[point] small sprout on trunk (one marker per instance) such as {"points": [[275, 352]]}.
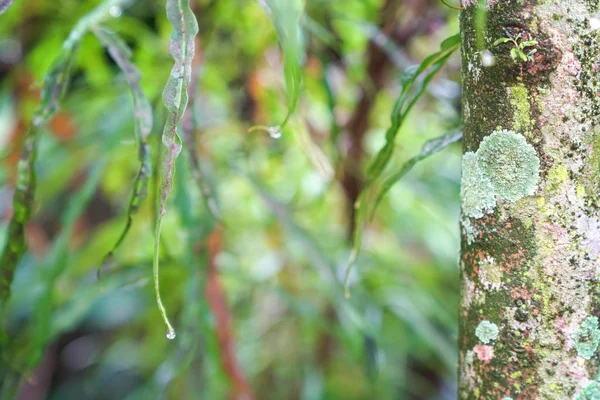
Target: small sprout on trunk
{"points": [[519, 52]]}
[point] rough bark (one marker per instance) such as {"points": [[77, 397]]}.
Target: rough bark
{"points": [[530, 258]]}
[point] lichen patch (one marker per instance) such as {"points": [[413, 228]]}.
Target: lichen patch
{"points": [[487, 331], [587, 338], [477, 193], [510, 163]]}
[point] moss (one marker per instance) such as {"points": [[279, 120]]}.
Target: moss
{"points": [[510, 163], [486, 331], [522, 116], [587, 338], [477, 194]]}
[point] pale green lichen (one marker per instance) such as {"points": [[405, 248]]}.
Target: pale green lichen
{"points": [[505, 165], [487, 331], [476, 191], [590, 392], [587, 338], [510, 163]]}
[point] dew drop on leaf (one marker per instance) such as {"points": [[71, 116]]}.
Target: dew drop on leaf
{"points": [[171, 334], [274, 132]]}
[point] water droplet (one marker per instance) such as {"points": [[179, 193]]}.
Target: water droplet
{"points": [[115, 11], [171, 334], [274, 132], [487, 58]]}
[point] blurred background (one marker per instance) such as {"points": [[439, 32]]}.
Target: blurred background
{"points": [[256, 299]]}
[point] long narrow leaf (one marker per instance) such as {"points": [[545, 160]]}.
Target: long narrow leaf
{"points": [[422, 75], [285, 16], [142, 115], [181, 47], [55, 85], [30, 348], [429, 148]]}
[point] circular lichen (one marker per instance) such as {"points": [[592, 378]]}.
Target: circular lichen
{"points": [[476, 191], [487, 331], [587, 338], [510, 163]]}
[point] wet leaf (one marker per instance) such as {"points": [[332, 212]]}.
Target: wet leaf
{"points": [[175, 97], [142, 115], [55, 86], [285, 16]]}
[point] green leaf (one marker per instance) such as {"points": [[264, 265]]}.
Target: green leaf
{"points": [[429, 148], [142, 115], [55, 86], [522, 56], [181, 47], [502, 40], [408, 97], [53, 266], [285, 16], [528, 43]]}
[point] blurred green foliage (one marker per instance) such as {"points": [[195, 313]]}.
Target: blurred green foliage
{"points": [[279, 251]]}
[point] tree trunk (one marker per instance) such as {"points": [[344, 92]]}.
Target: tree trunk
{"points": [[530, 224]]}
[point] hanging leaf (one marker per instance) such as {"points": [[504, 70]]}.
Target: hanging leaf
{"points": [[414, 82], [285, 16], [429, 148], [55, 86], [181, 47], [142, 116]]}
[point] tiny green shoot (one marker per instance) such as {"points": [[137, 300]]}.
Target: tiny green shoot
{"points": [[519, 51]]}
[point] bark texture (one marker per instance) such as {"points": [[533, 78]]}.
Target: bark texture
{"points": [[530, 257]]}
